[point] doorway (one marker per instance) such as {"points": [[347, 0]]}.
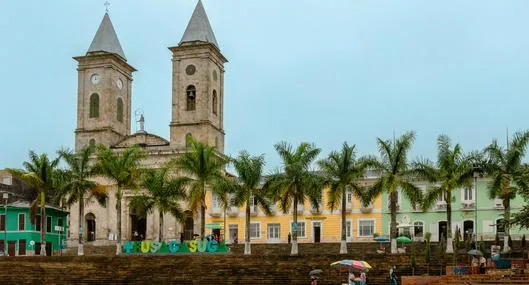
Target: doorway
{"points": [[11, 248], [138, 227], [48, 248], [234, 234], [468, 229], [316, 229], [90, 227], [443, 230], [189, 226]]}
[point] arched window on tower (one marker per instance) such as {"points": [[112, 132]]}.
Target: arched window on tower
{"points": [[191, 93], [94, 106], [92, 143], [119, 110], [189, 137], [215, 102]]}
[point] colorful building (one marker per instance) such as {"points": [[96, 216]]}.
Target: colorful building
{"points": [[470, 206], [315, 225], [23, 237]]}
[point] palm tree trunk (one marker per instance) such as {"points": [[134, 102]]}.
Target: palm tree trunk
{"points": [[118, 210], [393, 209], [294, 250], [343, 244], [80, 246], [203, 213], [43, 223], [507, 218], [160, 234], [247, 245], [449, 240]]}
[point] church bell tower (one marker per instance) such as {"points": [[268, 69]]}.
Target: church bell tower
{"points": [[104, 91], [198, 85]]}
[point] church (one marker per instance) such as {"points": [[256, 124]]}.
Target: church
{"points": [[104, 100]]}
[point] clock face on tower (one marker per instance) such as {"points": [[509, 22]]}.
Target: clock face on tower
{"points": [[95, 78], [119, 83]]}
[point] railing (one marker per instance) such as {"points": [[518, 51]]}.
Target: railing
{"points": [[301, 208], [315, 210], [348, 207], [468, 205], [441, 206], [233, 211], [215, 212], [498, 204], [367, 209], [254, 210]]}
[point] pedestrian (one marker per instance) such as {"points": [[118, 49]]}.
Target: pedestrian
{"points": [[363, 278], [351, 278], [235, 240], [289, 237], [393, 274], [314, 280], [482, 264]]}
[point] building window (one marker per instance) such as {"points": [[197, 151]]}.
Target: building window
{"points": [[38, 222], [214, 102], [500, 227], [22, 222], [189, 137], [468, 194], [255, 230], [301, 229], [274, 231], [366, 228], [418, 229], [217, 201], [7, 181], [348, 228], [59, 222], [48, 224], [191, 97], [2, 222], [94, 106], [119, 110], [92, 143], [349, 197]]}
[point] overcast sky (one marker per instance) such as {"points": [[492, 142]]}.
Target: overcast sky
{"points": [[300, 70]]}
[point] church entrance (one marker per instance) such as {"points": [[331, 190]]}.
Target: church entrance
{"points": [[90, 227], [138, 227], [189, 226]]}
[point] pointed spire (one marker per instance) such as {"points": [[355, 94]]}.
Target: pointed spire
{"points": [[199, 28], [106, 39]]}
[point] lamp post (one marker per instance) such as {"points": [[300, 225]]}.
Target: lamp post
{"points": [[5, 195], [476, 174]]}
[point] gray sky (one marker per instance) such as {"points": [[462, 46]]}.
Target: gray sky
{"points": [[317, 71]]}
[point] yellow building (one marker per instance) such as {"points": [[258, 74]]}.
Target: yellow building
{"points": [[314, 225]]}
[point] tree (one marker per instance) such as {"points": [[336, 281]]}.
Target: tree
{"points": [[427, 250], [202, 167], [508, 174], [341, 170], [453, 170], [296, 183], [246, 188], [40, 174], [395, 174], [162, 193], [78, 184], [123, 169]]}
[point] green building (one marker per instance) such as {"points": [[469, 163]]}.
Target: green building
{"points": [[471, 207], [24, 237]]}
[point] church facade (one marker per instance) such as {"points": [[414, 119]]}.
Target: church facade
{"points": [[105, 82]]}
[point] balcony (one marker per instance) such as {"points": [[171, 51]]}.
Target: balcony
{"points": [[301, 208], [348, 207], [367, 209], [254, 210], [315, 211], [273, 209], [417, 208], [215, 212], [468, 205], [440, 206], [233, 211]]}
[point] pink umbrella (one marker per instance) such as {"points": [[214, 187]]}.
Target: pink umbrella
{"points": [[358, 265]]}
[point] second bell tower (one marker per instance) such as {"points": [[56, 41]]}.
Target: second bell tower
{"points": [[198, 86]]}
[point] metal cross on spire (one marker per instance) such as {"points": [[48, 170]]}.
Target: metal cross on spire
{"points": [[106, 5]]}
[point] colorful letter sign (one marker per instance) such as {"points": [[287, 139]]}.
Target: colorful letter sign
{"points": [[174, 247]]}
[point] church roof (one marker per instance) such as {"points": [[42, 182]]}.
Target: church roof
{"points": [[199, 28], [106, 39]]}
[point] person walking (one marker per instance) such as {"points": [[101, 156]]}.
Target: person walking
{"points": [[363, 278], [393, 275]]}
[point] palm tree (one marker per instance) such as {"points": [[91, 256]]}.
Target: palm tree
{"points": [[296, 183], [40, 174], [163, 193], [246, 188], [342, 171], [507, 172], [394, 174], [123, 170], [78, 184], [202, 166], [453, 170]]}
